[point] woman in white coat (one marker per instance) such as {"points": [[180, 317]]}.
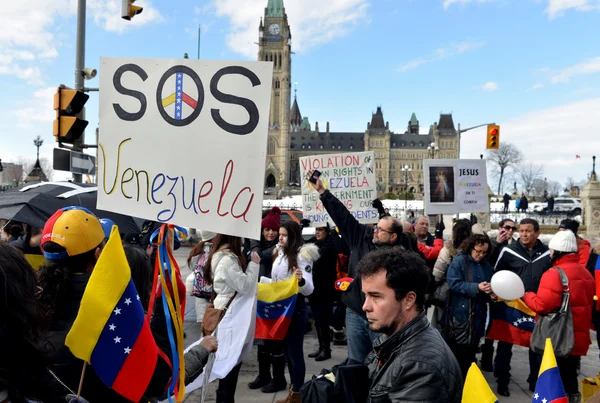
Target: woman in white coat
{"points": [[227, 272], [292, 258]]}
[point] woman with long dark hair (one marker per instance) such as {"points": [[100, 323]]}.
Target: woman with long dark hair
{"points": [[228, 272], [293, 258], [22, 364], [468, 276], [196, 261]]}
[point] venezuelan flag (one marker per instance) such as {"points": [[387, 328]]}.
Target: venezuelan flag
{"points": [[110, 331], [512, 322], [476, 389], [597, 277], [549, 387], [275, 307]]}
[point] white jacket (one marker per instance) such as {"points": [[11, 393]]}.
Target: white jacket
{"points": [[308, 255], [228, 277]]}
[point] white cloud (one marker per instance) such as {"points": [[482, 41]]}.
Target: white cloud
{"points": [[588, 67], [37, 109], [441, 54], [313, 22], [448, 3], [536, 86], [490, 86], [558, 7], [553, 135]]}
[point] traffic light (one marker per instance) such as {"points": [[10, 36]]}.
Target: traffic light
{"points": [[493, 137], [128, 10], [68, 128]]}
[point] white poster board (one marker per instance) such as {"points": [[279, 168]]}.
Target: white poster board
{"points": [[349, 177], [184, 141], [455, 186]]}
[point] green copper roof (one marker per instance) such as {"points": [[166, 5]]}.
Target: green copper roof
{"points": [[413, 120], [274, 8], [305, 125]]}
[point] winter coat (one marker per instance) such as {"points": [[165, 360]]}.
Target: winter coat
{"points": [[524, 203], [324, 271], [447, 254], [462, 291], [517, 203], [229, 277], [68, 368], [307, 256], [414, 364], [431, 253], [529, 265], [506, 199], [591, 267], [265, 251], [359, 238], [582, 289], [584, 249]]}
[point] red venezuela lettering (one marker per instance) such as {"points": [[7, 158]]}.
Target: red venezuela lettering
{"points": [[160, 179], [330, 162], [348, 183]]}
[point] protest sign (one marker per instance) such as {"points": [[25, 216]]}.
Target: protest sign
{"points": [[184, 141], [455, 186], [349, 177]]}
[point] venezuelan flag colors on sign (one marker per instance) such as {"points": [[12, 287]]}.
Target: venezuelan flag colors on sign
{"points": [[513, 322], [549, 387], [110, 331], [476, 389], [275, 307]]}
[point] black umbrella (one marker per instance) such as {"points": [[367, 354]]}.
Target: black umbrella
{"points": [[34, 204]]}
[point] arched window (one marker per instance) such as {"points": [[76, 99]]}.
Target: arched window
{"points": [[280, 60], [271, 147]]}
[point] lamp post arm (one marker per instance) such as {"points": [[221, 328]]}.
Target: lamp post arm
{"points": [[460, 131]]}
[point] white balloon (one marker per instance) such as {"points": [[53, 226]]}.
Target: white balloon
{"points": [[507, 285]]}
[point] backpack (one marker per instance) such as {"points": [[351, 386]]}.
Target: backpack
{"points": [[200, 288]]}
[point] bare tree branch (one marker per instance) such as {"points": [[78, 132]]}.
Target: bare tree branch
{"points": [[47, 168], [554, 188], [530, 173], [504, 158]]}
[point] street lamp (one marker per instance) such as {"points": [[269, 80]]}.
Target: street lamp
{"points": [[405, 170], [432, 149], [38, 143]]}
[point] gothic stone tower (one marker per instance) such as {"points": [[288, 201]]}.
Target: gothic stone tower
{"points": [[274, 45]]}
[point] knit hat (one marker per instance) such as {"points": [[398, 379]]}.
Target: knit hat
{"points": [[570, 225], [74, 228], [107, 225], [477, 229], [563, 241], [207, 235], [272, 220]]}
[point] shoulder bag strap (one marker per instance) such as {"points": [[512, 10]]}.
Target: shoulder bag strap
{"points": [[566, 292], [214, 294]]}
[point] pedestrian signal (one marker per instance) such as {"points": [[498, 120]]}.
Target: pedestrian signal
{"points": [[493, 137], [128, 10], [68, 128]]}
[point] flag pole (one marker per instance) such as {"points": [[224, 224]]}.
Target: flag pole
{"points": [[81, 380]]}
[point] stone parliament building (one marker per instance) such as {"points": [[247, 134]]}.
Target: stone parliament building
{"points": [[292, 136]]}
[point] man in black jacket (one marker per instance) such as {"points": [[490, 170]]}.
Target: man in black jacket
{"points": [[361, 239], [529, 258], [410, 360]]}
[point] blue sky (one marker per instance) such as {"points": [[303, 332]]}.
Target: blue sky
{"points": [[532, 66]]}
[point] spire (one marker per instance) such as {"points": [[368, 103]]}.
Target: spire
{"points": [[274, 8], [377, 121], [413, 120], [295, 115]]}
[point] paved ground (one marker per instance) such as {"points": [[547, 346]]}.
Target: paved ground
{"points": [[519, 388]]}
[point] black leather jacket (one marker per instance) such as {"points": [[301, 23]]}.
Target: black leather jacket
{"points": [[414, 364]]}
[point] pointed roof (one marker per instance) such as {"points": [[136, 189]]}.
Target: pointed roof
{"points": [[36, 174], [446, 122], [274, 8], [305, 124], [413, 120], [377, 121], [295, 115]]}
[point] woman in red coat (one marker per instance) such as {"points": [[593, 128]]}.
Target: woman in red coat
{"points": [[563, 249]]}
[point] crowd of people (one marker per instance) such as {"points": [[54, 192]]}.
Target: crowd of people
{"points": [[397, 270]]}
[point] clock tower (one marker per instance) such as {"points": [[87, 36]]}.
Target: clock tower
{"points": [[274, 45]]}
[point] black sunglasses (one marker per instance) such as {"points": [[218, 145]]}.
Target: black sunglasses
{"points": [[508, 228]]}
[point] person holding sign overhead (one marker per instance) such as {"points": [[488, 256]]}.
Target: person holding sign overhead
{"points": [[361, 240]]}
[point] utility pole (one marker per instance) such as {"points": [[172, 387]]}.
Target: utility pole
{"points": [[459, 132], [79, 66]]}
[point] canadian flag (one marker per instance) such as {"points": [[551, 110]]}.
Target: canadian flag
{"points": [[578, 156]]}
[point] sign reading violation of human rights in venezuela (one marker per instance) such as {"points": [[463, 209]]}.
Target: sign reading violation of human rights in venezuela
{"points": [[455, 186], [184, 141], [350, 177]]}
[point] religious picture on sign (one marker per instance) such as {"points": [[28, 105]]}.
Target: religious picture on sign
{"points": [[441, 181]]}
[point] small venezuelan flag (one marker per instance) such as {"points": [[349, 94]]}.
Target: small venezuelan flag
{"points": [[110, 331], [476, 389], [597, 277], [549, 387], [512, 322], [275, 307]]}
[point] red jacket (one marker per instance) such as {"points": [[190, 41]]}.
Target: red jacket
{"points": [[431, 252], [582, 289], [583, 250]]}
